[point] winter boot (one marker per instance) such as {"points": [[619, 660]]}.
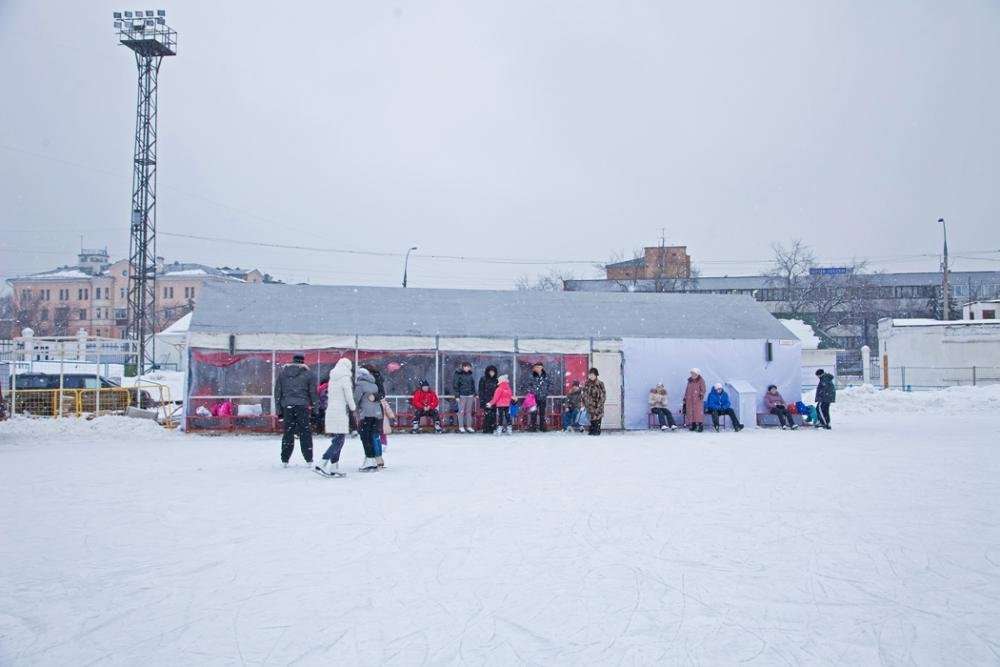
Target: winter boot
{"points": [[663, 428], [499, 431], [714, 428], [461, 429], [415, 428], [738, 427], [370, 465], [510, 430], [793, 426], [379, 462], [284, 464], [693, 427], [674, 427], [437, 427], [701, 428]]}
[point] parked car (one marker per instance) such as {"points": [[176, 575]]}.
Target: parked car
{"points": [[38, 396]]}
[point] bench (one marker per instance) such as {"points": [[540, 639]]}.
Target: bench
{"points": [[767, 420]]}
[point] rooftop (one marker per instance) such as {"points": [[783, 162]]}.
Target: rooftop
{"points": [[241, 308]]}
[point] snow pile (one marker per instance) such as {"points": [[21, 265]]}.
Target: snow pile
{"points": [[26, 430], [867, 399], [804, 332]]}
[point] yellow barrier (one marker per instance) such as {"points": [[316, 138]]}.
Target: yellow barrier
{"points": [[92, 402]]}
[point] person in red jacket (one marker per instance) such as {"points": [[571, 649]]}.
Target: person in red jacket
{"points": [[425, 404]]}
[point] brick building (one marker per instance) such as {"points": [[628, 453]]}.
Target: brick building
{"points": [[655, 262], [93, 295]]}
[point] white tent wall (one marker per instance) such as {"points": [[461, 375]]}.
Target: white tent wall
{"points": [[649, 361]]}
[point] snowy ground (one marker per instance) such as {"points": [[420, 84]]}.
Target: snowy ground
{"points": [[878, 542]]}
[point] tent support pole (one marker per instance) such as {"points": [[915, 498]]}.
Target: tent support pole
{"points": [[437, 364], [274, 377]]}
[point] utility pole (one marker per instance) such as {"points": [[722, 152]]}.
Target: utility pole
{"points": [[148, 36], [945, 288]]}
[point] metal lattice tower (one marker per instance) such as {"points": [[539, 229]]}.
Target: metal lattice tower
{"points": [[149, 37]]}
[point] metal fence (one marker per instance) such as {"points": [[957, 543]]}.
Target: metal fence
{"points": [[913, 378]]}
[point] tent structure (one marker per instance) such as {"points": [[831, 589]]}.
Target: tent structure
{"points": [[241, 334], [171, 344]]}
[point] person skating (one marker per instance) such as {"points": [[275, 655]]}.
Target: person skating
{"points": [[694, 401], [425, 403], [463, 385], [370, 417], [574, 401], [775, 404], [826, 393], [658, 407], [594, 396], [500, 402], [295, 396], [541, 387], [382, 440], [487, 386], [717, 404], [340, 399]]}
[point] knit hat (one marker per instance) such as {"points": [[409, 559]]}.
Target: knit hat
{"points": [[502, 378], [696, 371], [820, 372], [424, 383], [718, 385]]}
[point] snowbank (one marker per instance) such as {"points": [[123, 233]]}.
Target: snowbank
{"points": [[25, 430], [172, 380], [804, 332], [953, 400]]}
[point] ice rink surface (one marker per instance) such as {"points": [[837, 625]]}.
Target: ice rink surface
{"points": [[875, 543]]}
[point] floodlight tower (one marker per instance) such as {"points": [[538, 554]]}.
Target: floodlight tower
{"points": [[149, 37]]}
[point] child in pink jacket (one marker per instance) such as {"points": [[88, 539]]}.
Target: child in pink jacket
{"points": [[501, 401]]}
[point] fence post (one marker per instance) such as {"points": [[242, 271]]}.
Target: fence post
{"points": [[866, 364], [62, 361], [885, 371], [902, 377], [973, 376]]}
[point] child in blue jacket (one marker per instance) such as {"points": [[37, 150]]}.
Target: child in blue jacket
{"points": [[718, 404]]}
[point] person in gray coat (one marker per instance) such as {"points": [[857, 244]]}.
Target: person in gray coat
{"points": [[294, 397], [366, 396], [826, 393]]}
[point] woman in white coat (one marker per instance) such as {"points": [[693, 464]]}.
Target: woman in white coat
{"points": [[340, 399]]}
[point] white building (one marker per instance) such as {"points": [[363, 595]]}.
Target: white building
{"points": [[981, 310], [935, 353]]}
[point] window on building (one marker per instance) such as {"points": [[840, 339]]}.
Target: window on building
{"points": [[188, 292], [989, 314], [123, 292], [83, 314], [64, 295], [25, 294], [43, 314], [168, 292], [48, 295]]}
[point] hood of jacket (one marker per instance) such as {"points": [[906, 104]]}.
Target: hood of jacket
{"points": [[341, 369], [294, 370], [364, 375]]}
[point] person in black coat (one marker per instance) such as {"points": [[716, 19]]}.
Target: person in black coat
{"points": [[826, 393], [541, 387], [488, 385], [295, 398]]}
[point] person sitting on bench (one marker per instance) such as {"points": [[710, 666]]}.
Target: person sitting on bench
{"points": [[658, 407], [425, 404], [775, 404], [717, 404]]}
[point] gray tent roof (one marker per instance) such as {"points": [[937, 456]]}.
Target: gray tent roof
{"points": [[240, 308]]}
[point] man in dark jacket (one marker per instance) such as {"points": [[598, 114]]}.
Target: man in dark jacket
{"points": [[294, 397], [463, 387], [826, 393], [487, 386], [541, 387]]}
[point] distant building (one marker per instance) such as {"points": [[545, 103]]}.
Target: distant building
{"points": [[93, 294], [853, 303], [981, 310], [655, 262]]}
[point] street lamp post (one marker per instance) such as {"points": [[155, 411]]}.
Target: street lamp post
{"points": [[945, 289], [406, 263]]}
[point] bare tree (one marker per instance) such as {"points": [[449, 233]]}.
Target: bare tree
{"points": [[632, 272], [791, 266], [27, 311], [547, 282]]}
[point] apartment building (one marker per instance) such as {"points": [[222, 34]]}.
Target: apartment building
{"points": [[93, 294]]}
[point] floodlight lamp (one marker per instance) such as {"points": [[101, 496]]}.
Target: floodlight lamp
{"points": [[118, 15], [161, 12]]}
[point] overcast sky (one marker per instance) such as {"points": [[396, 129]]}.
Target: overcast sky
{"points": [[520, 130]]}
